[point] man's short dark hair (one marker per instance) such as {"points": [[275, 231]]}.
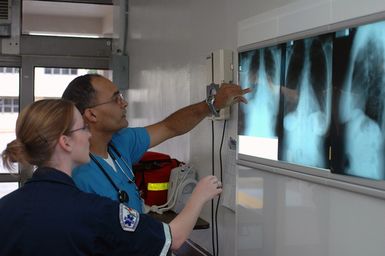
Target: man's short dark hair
{"points": [[81, 92]]}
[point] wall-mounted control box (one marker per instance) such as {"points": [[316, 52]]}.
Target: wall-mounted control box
{"points": [[220, 69]]}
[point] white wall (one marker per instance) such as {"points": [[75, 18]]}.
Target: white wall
{"points": [[168, 43]]}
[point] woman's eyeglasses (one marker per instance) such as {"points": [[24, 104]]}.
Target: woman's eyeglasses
{"points": [[84, 128]]}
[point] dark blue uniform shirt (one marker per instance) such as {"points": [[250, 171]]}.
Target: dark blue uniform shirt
{"points": [[49, 215]]}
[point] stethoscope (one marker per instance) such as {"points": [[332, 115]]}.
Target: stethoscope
{"points": [[122, 194]]}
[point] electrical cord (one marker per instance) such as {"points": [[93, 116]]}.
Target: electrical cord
{"points": [[221, 179], [212, 201], [214, 216]]}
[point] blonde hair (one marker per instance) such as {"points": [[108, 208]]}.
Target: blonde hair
{"points": [[38, 128]]}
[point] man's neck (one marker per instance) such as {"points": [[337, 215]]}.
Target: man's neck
{"points": [[99, 144]]}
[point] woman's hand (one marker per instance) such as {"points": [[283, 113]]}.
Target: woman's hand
{"points": [[207, 188]]}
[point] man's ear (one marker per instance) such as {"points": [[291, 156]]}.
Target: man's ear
{"points": [[64, 142], [89, 115]]}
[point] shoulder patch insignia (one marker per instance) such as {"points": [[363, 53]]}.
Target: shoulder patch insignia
{"points": [[129, 218]]}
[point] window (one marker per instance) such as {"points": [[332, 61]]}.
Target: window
{"points": [[9, 110], [60, 71], [44, 88], [9, 104], [7, 187], [9, 70]]}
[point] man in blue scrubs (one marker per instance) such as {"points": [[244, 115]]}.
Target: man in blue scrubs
{"points": [[114, 147]]}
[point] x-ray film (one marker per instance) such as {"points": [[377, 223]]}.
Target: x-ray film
{"points": [[307, 95], [359, 78], [260, 70]]}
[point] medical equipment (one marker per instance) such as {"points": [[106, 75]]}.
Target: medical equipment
{"points": [[121, 194], [182, 183]]}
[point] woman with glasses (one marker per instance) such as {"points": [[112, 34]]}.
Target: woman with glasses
{"points": [[49, 215]]}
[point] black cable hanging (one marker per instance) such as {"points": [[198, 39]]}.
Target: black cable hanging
{"points": [[221, 179], [212, 201]]}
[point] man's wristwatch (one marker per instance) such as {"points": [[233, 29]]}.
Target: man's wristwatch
{"points": [[210, 102]]}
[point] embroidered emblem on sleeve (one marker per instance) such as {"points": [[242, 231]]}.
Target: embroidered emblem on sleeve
{"points": [[129, 218]]}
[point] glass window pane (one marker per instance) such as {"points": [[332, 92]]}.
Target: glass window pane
{"points": [[9, 96], [53, 85], [65, 71], [7, 187]]}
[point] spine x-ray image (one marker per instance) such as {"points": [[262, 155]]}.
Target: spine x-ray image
{"points": [[361, 87], [260, 70], [307, 102]]}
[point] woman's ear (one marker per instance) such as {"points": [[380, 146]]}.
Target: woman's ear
{"points": [[65, 143]]}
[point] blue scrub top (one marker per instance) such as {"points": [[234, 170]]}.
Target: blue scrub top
{"points": [[49, 215], [131, 143]]}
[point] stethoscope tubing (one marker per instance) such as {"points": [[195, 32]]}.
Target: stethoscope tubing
{"points": [[122, 194]]}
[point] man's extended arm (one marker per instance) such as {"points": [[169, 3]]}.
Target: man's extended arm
{"points": [[185, 119]]}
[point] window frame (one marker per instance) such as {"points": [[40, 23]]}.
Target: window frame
{"points": [[37, 51]]}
